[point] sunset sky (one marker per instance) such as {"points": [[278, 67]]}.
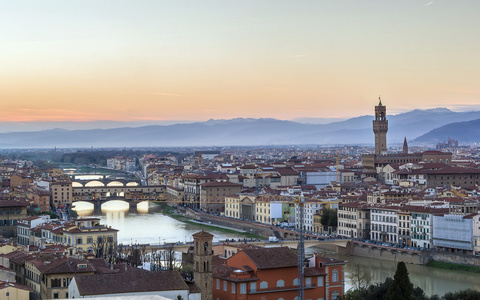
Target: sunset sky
{"points": [[195, 60]]}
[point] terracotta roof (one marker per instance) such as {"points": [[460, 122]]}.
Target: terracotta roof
{"points": [[286, 171], [62, 265], [12, 203], [219, 184], [5, 285], [104, 284], [203, 234], [272, 258]]}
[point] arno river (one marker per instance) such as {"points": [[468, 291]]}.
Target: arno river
{"points": [[149, 226]]}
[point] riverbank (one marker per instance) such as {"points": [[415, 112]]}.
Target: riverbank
{"points": [[170, 211], [451, 266]]}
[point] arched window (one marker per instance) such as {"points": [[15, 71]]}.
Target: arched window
{"points": [[263, 285], [335, 295], [296, 282], [280, 283], [205, 247]]}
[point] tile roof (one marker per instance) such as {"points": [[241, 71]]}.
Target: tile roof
{"points": [[103, 284], [272, 258]]}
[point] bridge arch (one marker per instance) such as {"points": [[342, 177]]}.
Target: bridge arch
{"points": [[115, 183], [76, 184], [132, 183], [94, 183]]}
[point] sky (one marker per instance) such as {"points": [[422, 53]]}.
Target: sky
{"points": [[155, 60]]}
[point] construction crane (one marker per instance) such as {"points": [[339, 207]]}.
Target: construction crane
{"points": [[301, 247]]}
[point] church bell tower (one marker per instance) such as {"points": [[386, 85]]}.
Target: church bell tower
{"points": [[380, 128], [202, 260]]}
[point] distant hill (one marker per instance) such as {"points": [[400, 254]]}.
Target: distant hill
{"points": [[242, 131], [465, 132]]}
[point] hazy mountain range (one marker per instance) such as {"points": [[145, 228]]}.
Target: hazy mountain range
{"points": [[419, 126]]}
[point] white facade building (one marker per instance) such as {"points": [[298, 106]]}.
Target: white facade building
{"points": [[384, 225]]}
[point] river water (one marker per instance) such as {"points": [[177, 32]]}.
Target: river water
{"points": [[430, 280], [147, 225]]}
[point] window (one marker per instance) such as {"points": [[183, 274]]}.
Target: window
{"points": [[55, 296], [335, 295], [218, 284], [335, 275], [280, 283], [233, 288], [263, 285], [243, 288], [253, 287], [225, 288], [308, 281], [296, 282]]}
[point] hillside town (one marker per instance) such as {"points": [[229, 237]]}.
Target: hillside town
{"points": [[413, 200]]}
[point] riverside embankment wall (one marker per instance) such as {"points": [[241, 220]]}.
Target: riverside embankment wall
{"points": [[413, 257], [253, 228]]}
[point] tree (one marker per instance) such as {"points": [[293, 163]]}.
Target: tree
{"points": [[105, 248], [360, 278], [329, 217], [401, 287], [462, 295]]}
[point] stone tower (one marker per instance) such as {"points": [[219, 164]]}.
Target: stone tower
{"points": [[405, 146], [380, 128], [202, 263]]}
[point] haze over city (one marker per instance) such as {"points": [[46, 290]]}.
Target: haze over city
{"points": [[168, 61]]}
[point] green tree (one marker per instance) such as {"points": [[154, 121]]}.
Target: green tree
{"points": [[462, 295], [329, 217], [401, 287]]}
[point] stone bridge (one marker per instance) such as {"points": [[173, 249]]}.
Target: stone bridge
{"points": [[184, 247]]}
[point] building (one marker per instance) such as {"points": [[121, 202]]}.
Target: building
{"points": [[24, 227], [61, 192], [134, 284], [14, 291], [381, 158], [10, 212], [88, 236], [380, 128], [192, 186], [384, 225], [122, 163], [354, 220], [439, 174], [453, 233], [272, 273], [50, 276], [310, 209], [40, 198], [212, 195]]}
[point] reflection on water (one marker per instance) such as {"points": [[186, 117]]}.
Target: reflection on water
{"points": [[431, 280], [144, 225]]}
